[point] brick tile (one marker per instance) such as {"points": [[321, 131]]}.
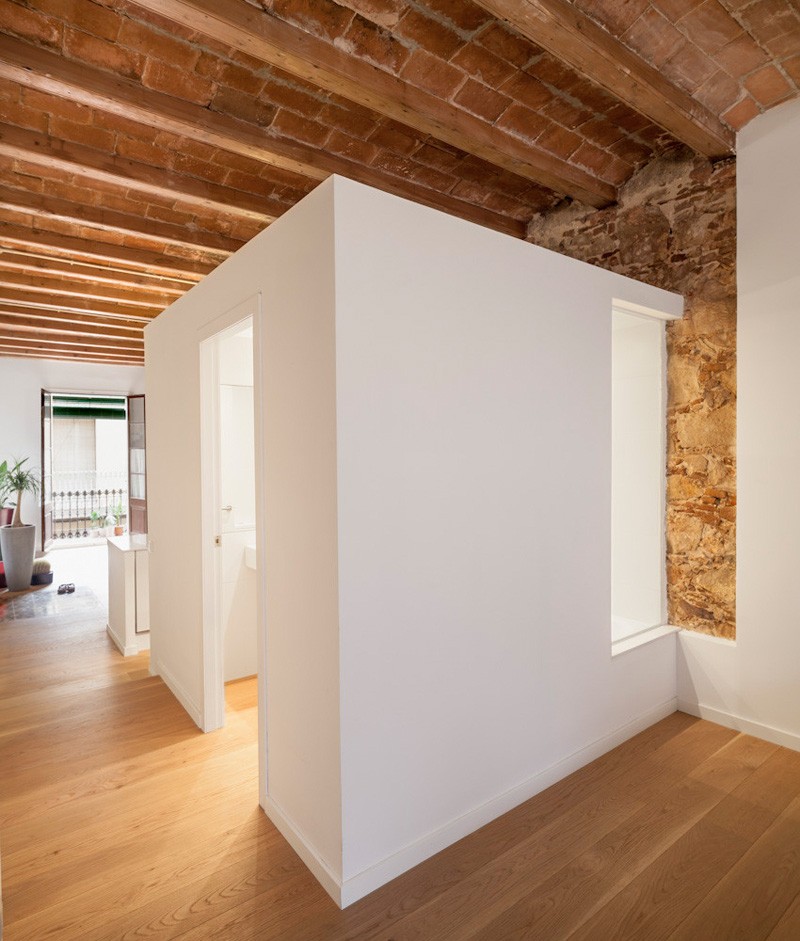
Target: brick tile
{"points": [[565, 113], [106, 55], [370, 42], [528, 90], [246, 182], [477, 170], [615, 15], [323, 18], [688, 67], [710, 26], [551, 71], [592, 158], [522, 122], [634, 152], [121, 126], [741, 113], [30, 24], [12, 112], [430, 73], [675, 9], [507, 45], [83, 14], [193, 148], [628, 119], [95, 137], [383, 13], [63, 107], [439, 156], [254, 110], [144, 39], [558, 140], [481, 100], [785, 44], [185, 163], [768, 86], [174, 81], [288, 95], [741, 56], [394, 137], [719, 93], [483, 65], [429, 34], [601, 132], [144, 152], [653, 37], [792, 68], [351, 147], [356, 122], [408, 169], [298, 128], [471, 192], [463, 14]]}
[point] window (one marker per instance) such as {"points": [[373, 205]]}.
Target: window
{"points": [[638, 474]]}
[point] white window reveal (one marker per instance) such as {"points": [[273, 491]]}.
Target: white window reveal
{"points": [[638, 478]]}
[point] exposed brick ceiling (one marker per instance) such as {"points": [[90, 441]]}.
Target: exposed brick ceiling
{"points": [[142, 142]]}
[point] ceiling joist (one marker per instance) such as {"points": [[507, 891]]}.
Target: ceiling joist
{"points": [[77, 160], [65, 287], [44, 267], [250, 30], [49, 73], [13, 297], [21, 316], [67, 340], [41, 241], [560, 28], [41, 205]]}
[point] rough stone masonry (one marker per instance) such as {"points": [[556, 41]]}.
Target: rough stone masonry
{"points": [[674, 226]]}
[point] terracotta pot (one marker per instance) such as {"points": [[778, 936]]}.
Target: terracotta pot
{"points": [[119, 530]]}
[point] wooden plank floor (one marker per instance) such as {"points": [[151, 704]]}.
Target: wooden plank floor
{"points": [[120, 821]]}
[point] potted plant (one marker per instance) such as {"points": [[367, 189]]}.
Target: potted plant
{"points": [[18, 539], [115, 515]]}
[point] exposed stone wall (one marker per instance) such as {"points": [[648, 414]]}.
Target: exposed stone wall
{"points": [[675, 227]]}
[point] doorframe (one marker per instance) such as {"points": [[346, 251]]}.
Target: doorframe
{"points": [[213, 711]]}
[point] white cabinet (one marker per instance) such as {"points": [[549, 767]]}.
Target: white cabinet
{"points": [[128, 593]]}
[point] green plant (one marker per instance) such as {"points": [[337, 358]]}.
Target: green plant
{"points": [[117, 512], [20, 480], [5, 488]]}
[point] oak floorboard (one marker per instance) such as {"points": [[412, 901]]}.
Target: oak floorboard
{"points": [[121, 822]]}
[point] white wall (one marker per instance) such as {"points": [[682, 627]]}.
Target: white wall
{"points": [[437, 411], [287, 270], [21, 382], [754, 683]]}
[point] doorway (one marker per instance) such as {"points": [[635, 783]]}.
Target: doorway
{"points": [[231, 601]]}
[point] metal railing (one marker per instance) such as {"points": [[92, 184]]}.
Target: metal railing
{"points": [[81, 514]]}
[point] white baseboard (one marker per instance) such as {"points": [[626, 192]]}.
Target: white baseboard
{"points": [[195, 713], [295, 838], [350, 890], [128, 651], [749, 726]]}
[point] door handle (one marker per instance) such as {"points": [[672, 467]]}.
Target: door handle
{"points": [[226, 509]]}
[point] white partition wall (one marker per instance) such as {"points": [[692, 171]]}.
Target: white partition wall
{"points": [[437, 461], [754, 683]]}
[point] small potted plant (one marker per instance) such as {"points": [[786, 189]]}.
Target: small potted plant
{"points": [[115, 516], [18, 539]]}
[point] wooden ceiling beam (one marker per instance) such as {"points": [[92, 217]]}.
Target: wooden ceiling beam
{"points": [[52, 323], [68, 340], [85, 356], [251, 30], [36, 344], [80, 161], [41, 241], [63, 286], [45, 267], [42, 205], [571, 36], [37, 68], [13, 297]]}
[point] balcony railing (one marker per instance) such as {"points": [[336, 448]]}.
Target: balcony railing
{"points": [[82, 514]]}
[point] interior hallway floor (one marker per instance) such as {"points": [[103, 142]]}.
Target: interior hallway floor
{"points": [[120, 821]]}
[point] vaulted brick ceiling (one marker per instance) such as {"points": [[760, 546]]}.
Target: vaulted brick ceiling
{"points": [[142, 142]]}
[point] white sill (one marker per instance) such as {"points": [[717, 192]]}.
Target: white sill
{"points": [[648, 635]]}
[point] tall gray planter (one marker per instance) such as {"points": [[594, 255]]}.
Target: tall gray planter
{"points": [[18, 543]]}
